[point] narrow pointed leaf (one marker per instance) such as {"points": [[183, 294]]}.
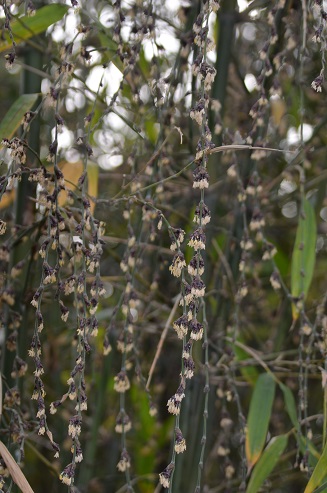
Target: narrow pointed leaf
{"points": [[28, 26], [259, 417], [292, 413], [250, 373], [7, 198], [304, 255], [14, 470], [290, 404], [266, 463], [93, 181], [321, 489], [319, 473], [72, 172], [14, 116]]}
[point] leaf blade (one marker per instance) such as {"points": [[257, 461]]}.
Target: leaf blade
{"points": [[304, 255], [259, 417], [15, 114], [28, 26], [305, 444], [72, 172], [290, 404], [250, 373], [319, 473], [267, 462], [14, 470]]}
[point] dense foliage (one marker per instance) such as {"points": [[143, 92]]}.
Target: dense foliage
{"points": [[163, 240]]}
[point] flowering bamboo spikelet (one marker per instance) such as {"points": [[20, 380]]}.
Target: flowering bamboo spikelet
{"points": [[197, 287], [200, 178], [196, 329], [177, 237], [196, 266], [123, 423], [189, 367], [174, 405], [121, 382], [187, 349], [180, 443], [203, 211], [177, 265], [165, 476], [67, 474], [197, 240], [124, 462], [181, 326]]}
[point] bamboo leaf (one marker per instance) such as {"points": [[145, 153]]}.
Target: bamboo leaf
{"points": [[292, 412], [151, 130], [267, 462], [250, 373], [93, 181], [319, 473], [28, 26], [72, 172], [304, 255], [322, 488], [7, 198], [14, 470], [129, 123], [15, 114], [259, 417], [290, 404]]}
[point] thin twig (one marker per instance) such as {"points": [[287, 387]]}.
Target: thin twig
{"points": [[150, 161], [254, 354], [34, 70], [162, 340], [225, 264], [240, 147]]}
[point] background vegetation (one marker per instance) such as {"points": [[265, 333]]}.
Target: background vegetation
{"points": [[163, 246]]}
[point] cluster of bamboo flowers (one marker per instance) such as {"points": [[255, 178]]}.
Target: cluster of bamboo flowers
{"points": [[191, 326]]}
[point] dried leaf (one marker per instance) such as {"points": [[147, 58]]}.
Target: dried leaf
{"points": [[14, 470]]}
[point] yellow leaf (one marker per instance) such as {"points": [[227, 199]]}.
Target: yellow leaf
{"points": [[278, 110], [93, 180], [14, 470], [72, 172], [7, 198]]}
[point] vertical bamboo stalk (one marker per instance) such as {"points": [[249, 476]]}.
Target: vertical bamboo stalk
{"points": [[24, 209]]}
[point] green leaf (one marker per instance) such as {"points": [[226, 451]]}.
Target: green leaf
{"points": [[319, 473], [107, 42], [282, 261], [129, 123], [250, 373], [304, 254], [290, 404], [151, 130], [259, 417], [93, 182], [267, 462], [321, 489], [305, 444], [28, 26], [15, 114]]}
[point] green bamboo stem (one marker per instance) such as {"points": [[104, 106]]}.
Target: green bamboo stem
{"points": [[87, 472], [25, 209]]}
